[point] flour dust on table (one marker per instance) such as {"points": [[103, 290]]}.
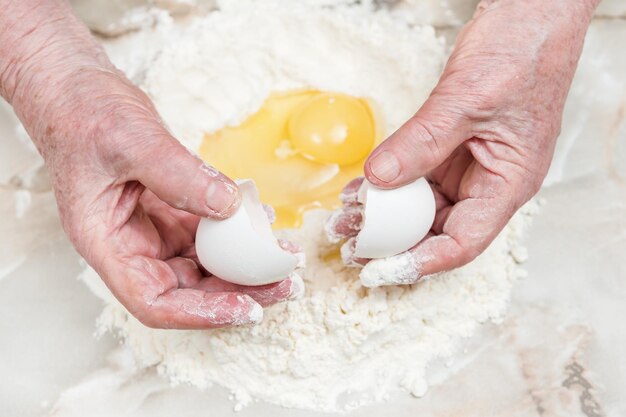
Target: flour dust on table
{"points": [[341, 345]]}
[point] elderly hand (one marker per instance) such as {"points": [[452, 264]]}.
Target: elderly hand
{"points": [[484, 138], [130, 196]]}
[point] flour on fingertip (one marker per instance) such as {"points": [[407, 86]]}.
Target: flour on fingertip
{"points": [[297, 286], [396, 270], [256, 313]]}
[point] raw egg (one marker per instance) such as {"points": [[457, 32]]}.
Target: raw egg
{"points": [[300, 147], [332, 129]]}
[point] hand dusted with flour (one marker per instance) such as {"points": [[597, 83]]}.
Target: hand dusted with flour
{"points": [[129, 194], [486, 135], [341, 345], [484, 138]]}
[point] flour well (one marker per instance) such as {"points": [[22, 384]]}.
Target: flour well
{"points": [[341, 345]]}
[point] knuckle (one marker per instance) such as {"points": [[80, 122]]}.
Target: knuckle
{"points": [[120, 134], [419, 134], [466, 253], [470, 253], [523, 189], [146, 316], [535, 184], [468, 91], [115, 118], [349, 194]]}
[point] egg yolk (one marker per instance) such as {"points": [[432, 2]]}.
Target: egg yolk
{"points": [[300, 148], [332, 128]]}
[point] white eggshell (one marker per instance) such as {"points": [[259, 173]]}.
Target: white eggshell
{"points": [[242, 249], [394, 220]]}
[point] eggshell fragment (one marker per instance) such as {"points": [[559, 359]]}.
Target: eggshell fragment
{"points": [[394, 220], [242, 249]]}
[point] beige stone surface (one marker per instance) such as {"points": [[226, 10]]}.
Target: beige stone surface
{"points": [[559, 353]]}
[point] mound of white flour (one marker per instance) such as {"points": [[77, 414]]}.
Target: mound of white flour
{"points": [[341, 345]]}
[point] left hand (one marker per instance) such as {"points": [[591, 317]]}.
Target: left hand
{"points": [[130, 195]]}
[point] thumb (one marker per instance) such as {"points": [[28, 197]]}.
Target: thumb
{"points": [[183, 180], [420, 145]]}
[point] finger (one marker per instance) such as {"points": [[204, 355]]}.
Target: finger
{"points": [[181, 179], [148, 288], [348, 195], [289, 246], [420, 145], [186, 271], [395, 270], [189, 308], [288, 289], [344, 223], [295, 249], [441, 201], [270, 213], [178, 227], [440, 220], [471, 226], [347, 254], [442, 210]]}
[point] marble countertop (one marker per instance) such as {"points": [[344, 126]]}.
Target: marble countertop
{"points": [[559, 352]]}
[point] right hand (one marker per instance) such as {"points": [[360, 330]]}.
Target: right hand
{"points": [[484, 138]]}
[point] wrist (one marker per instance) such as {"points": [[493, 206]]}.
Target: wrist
{"points": [[42, 47], [569, 9]]}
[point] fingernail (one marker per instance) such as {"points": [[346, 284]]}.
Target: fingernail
{"points": [[256, 313], [385, 166], [270, 213], [348, 195], [295, 250], [221, 197], [344, 223], [347, 254], [330, 227], [297, 286], [401, 269], [300, 259], [242, 310]]}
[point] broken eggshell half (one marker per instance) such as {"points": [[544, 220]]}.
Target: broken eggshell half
{"points": [[242, 248], [394, 220]]}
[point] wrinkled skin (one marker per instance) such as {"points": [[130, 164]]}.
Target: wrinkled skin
{"points": [[130, 196], [484, 138]]}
